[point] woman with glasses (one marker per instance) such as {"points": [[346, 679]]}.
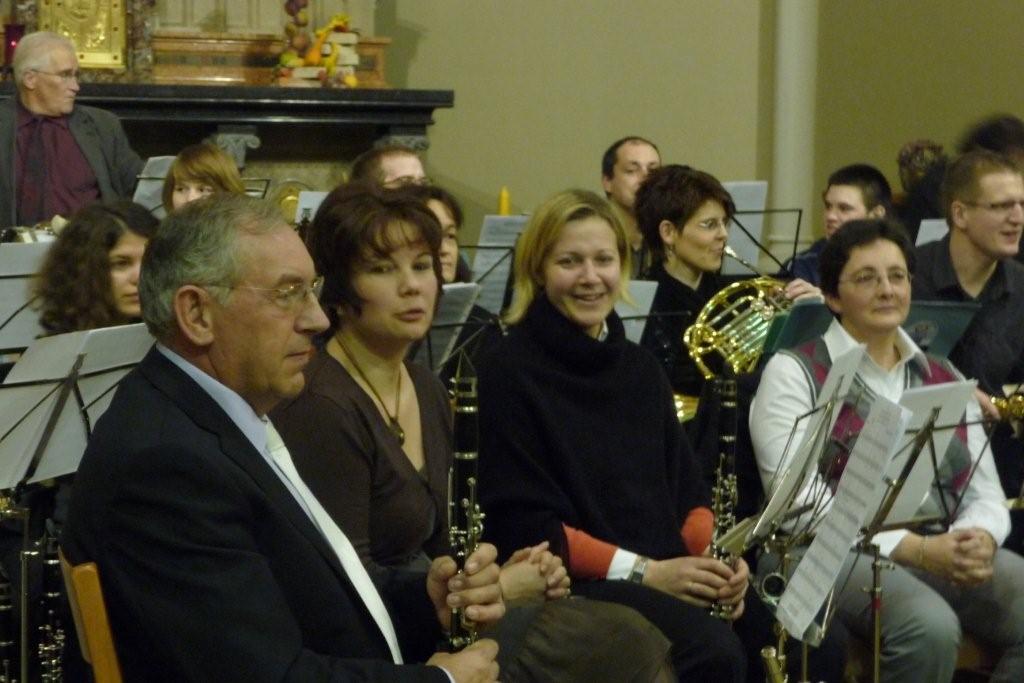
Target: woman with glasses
{"points": [[684, 216], [371, 435], [949, 579]]}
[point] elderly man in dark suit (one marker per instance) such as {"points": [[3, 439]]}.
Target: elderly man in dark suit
{"points": [[217, 562], [55, 156]]}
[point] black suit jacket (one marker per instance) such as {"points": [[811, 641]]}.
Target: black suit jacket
{"points": [[210, 569]]}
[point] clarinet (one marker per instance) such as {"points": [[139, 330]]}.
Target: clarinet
{"points": [[51, 631], [465, 521], [8, 649], [724, 493]]}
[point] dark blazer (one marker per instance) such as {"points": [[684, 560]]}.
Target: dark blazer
{"points": [[103, 143], [210, 568]]}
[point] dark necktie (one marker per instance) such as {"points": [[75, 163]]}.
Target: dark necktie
{"points": [[35, 176]]}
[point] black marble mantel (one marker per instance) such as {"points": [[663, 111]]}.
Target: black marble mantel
{"points": [[285, 122]]}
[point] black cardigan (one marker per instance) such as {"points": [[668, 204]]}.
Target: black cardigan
{"points": [[583, 432]]}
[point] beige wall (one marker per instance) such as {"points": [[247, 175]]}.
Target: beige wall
{"points": [[890, 72], [543, 86]]}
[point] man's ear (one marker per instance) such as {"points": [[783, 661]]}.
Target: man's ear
{"points": [[28, 80], [606, 183], [877, 212], [193, 309], [668, 231], [833, 303], [956, 215]]}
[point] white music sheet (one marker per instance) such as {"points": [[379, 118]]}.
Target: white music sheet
{"points": [[931, 230], [150, 188], [634, 315], [309, 202], [860, 485], [789, 483], [950, 400], [19, 263], [29, 397]]}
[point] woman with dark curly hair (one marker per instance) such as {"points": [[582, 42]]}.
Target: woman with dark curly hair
{"points": [[90, 276]]}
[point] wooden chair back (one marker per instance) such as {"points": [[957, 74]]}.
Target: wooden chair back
{"points": [[85, 594]]}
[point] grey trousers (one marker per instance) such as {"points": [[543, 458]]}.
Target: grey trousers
{"points": [[923, 616]]}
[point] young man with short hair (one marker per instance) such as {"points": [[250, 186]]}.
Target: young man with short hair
{"points": [[983, 196], [853, 192]]}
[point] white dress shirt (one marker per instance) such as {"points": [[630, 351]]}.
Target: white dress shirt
{"points": [[261, 433]]}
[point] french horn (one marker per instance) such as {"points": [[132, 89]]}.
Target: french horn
{"points": [[735, 322]]}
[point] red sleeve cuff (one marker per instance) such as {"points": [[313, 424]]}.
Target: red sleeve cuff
{"points": [[589, 558], [697, 530]]}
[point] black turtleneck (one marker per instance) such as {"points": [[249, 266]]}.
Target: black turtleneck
{"points": [[676, 307], [583, 432]]}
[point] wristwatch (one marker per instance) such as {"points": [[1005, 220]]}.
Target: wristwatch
{"points": [[636, 574]]}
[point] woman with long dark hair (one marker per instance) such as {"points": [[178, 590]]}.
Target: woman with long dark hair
{"points": [[90, 275]]}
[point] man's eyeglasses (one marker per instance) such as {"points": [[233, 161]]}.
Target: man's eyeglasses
{"points": [[290, 297], [870, 280], [67, 76], [405, 180], [1000, 207]]}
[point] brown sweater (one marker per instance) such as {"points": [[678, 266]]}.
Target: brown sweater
{"points": [[356, 468]]}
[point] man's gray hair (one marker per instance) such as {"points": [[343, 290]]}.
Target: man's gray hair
{"points": [[198, 245], [34, 51]]}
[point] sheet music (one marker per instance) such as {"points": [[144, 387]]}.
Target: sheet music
{"points": [[19, 323], [860, 484], [931, 230], [25, 409], [451, 315], [802, 465], [149, 190], [634, 316], [309, 201], [747, 195], [950, 400], [493, 261]]}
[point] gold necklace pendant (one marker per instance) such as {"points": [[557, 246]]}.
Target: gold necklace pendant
{"points": [[397, 430], [393, 426]]}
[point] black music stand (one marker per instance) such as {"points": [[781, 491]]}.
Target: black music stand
{"points": [[48, 405], [439, 345]]}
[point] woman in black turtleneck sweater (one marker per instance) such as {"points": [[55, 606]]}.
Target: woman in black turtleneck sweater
{"points": [[580, 445]]}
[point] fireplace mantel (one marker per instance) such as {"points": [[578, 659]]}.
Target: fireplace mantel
{"points": [[154, 114]]}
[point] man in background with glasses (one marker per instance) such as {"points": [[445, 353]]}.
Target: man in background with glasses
{"points": [[56, 156], [983, 197]]}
